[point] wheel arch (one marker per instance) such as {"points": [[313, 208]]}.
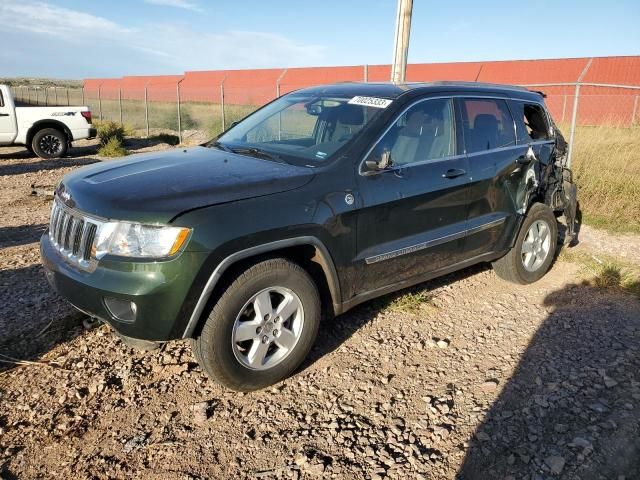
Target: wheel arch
{"points": [[48, 123], [307, 251]]}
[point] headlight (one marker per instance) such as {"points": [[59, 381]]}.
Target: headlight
{"points": [[140, 241]]}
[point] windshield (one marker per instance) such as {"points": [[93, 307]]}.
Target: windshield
{"points": [[301, 129]]}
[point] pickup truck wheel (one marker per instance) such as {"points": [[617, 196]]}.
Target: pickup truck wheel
{"points": [[534, 249], [261, 328], [49, 143]]}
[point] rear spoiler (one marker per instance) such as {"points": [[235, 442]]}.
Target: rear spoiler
{"points": [[544, 95]]}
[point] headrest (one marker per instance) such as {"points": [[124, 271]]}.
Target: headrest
{"points": [[350, 114]]}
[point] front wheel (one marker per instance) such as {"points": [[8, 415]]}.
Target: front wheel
{"points": [[534, 249], [261, 328], [49, 143]]}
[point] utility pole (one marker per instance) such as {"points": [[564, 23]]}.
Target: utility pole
{"points": [[401, 42]]}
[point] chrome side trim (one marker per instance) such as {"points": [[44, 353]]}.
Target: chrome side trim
{"points": [[414, 248], [433, 243], [486, 226]]}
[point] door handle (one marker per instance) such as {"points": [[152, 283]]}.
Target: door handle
{"points": [[4, 114], [453, 173]]}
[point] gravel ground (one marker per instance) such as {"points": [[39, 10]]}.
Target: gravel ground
{"points": [[467, 377]]}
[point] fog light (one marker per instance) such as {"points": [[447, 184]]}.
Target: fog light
{"points": [[122, 310]]}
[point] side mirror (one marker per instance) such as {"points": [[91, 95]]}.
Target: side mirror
{"points": [[382, 164], [233, 124]]}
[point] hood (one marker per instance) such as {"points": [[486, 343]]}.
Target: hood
{"points": [[155, 187]]}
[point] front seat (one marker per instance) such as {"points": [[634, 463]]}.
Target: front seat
{"points": [[485, 132]]}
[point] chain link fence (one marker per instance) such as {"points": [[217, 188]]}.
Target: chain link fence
{"points": [[600, 121], [198, 111]]}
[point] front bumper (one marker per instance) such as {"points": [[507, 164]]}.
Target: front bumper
{"points": [[160, 290]]}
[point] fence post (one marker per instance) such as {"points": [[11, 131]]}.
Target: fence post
{"points": [[46, 97], [284, 72], [82, 94], [55, 92], [100, 100], [37, 100], [635, 110], [120, 103], [366, 73], [574, 118], [564, 106], [68, 103], [179, 116], [222, 102], [146, 109]]}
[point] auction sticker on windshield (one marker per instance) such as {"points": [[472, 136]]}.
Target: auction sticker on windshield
{"points": [[370, 101]]}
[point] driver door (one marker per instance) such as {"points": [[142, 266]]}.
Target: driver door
{"points": [[413, 218]]}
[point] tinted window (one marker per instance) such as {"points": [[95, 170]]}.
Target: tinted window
{"points": [[424, 132], [487, 124], [531, 122]]}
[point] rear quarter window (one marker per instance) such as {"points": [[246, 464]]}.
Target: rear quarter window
{"points": [[531, 122], [1, 100], [487, 124]]}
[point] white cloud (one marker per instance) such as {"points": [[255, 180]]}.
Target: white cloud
{"points": [[175, 3], [48, 40], [40, 17]]}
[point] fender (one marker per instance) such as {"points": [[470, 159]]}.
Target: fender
{"points": [[47, 123], [326, 262]]}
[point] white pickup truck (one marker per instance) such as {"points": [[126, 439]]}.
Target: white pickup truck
{"points": [[45, 131]]}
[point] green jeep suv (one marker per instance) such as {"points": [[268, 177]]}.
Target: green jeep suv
{"points": [[320, 200]]}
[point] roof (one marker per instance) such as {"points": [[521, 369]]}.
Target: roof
{"points": [[395, 90]]}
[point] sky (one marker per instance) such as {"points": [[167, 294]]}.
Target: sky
{"points": [[76, 39]]}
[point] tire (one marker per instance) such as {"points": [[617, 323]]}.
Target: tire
{"points": [[522, 266], [50, 143], [243, 325]]}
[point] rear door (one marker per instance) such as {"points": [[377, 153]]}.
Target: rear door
{"points": [[414, 213], [7, 119], [496, 176]]}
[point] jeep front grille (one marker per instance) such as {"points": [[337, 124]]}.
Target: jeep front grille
{"points": [[72, 234]]}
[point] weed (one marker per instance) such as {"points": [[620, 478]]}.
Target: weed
{"points": [[108, 130], [411, 302], [606, 272], [113, 148]]}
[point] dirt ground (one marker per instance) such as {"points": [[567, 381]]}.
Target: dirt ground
{"points": [[476, 379]]}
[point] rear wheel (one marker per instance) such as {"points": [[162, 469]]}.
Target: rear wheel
{"points": [[534, 249], [49, 143], [261, 328]]}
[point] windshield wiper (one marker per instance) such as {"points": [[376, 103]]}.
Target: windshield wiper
{"points": [[256, 152], [220, 146]]}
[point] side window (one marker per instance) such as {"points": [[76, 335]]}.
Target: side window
{"points": [[1, 100], [424, 132], [531, 122], [487, 124]]}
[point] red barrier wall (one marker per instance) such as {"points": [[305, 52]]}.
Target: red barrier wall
{"points": [[256, 87]]}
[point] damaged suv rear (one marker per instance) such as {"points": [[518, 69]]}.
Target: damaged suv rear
{"points": [[323, 199]]}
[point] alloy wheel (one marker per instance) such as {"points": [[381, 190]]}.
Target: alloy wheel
{"points": [[536, 246], [267, 328], [50, 144]]}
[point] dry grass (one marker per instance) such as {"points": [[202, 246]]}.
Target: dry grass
{"points": [[606, 165], [603, 271]]}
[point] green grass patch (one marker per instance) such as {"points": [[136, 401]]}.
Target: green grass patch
{"points": [[413, 303], [113, 148]]}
